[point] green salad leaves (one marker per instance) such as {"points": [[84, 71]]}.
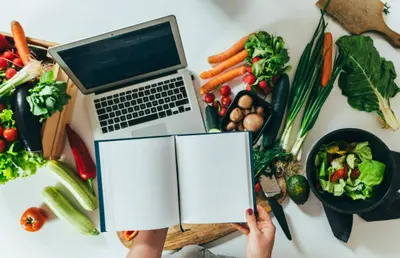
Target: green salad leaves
{"points": [[48, 96], [272, 53], [350, 170], [368, 79]]}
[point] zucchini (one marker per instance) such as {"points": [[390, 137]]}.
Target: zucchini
{"points": [[78, 188], [212, 119], [64, 210], [279, 101], [28, 125]]}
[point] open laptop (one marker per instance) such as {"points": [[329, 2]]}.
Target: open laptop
{"points": [[135, 79]]}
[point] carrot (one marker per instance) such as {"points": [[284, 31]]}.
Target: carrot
{"points": [[222, 78], [327, 66], [232, 61], [236, 48], [20, 42]]}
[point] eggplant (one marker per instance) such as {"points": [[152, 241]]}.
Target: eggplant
{"points": [[28, 125]]}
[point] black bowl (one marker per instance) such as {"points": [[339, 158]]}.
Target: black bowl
{"points": [[380, 152]]}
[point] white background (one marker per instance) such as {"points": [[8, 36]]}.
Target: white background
{"points": [[206, 27]]}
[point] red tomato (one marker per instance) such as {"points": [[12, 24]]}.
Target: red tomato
{"points": [[263, 84], [216, 104], [338, 174], [209, 98], [226, 101], [249, 79], [18, 62], [10, 134], [1, 130], [249, 70], [222, 111], [267, 90], [256, 59], [8, 55], [2, 145], [355, 173], [225, 90], [3, 63], [248, 87], [2, 107], [346, 171], [257, 187], [33, 219], [10, 72]]}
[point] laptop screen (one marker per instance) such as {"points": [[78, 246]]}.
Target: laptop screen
{"points": [[122, 56]]}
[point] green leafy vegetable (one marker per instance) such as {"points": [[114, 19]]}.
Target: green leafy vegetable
{"points": [[371, 172], [363, 151], [337, 189], [6, 118], [264, 158], [48, 96], [368, 79], [272, 53]]}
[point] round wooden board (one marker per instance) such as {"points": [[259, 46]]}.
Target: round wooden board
{"points": [[197, 234]]}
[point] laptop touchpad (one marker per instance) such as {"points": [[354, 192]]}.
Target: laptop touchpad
{"points": [[154, 130]]}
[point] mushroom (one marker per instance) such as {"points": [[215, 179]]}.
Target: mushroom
{"points": [[253, 122], [253, 109], [231, 126], [245, 102], [240, 126], [260, 110], [236, 115], [246, 111]]}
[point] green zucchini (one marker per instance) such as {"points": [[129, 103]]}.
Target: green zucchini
{"points": [[279, 101], [78, 188], [64, 210], [212, 119]]}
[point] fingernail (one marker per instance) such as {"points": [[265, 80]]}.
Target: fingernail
{"points": [[250, 212]]}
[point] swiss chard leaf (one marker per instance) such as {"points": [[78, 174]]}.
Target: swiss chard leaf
{"points": [[368, 79]]}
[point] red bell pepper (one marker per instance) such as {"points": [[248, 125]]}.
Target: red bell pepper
{"points": [[84, 162]]}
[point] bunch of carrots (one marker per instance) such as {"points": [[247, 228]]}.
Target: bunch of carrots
{"points": [[225, 60]]}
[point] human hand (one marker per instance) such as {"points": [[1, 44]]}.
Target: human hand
{"points": [[260, 234]]}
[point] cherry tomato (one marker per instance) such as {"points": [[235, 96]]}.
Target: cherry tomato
{"points": [[226, 101], [2, 107], [257, 187], [3, 63], [222, 111], [33, 219], [10, 72], [8, 55], [267, 90], [216, 104], [346, 171], [355, 173], [1, 130], [18, 62], [209, 98], [225, 90], [2, 145], [338, 174], [248, 87], [249, 70], [256, 59], [249, 79], [262, 84], [10, 134]]}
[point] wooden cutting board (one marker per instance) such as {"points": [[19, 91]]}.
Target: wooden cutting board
{"points": [[359, 16], [201, 234]]}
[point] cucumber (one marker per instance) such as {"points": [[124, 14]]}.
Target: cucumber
{"points": [[78, 188], [279, 101], [64, 210], [212, 119]]}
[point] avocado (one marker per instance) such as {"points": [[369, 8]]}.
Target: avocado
{"points": [[298, 189]]}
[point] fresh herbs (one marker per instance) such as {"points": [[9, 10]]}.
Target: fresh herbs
{"points": [[271, 54], [386, 8], [368, 79], [348, 169], [262, 159], [48, 96]]}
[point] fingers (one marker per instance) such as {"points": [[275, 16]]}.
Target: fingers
{"points": [[245, 230], [263, 215], [251, 220]]}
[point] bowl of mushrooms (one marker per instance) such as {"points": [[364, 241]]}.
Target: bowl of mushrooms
{"points": [[248, 112]]}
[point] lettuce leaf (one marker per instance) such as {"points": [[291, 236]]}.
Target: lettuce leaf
{"points": [[337, 189], [363, 151], [368, 79], [371, 172]]}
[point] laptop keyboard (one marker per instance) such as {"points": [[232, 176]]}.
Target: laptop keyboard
{"points": [[141, 105]]}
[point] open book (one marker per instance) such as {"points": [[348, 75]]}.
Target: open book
{"points": [[157, 182]]}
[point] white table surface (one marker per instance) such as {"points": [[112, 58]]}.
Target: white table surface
{"points": [[206, 27]]}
